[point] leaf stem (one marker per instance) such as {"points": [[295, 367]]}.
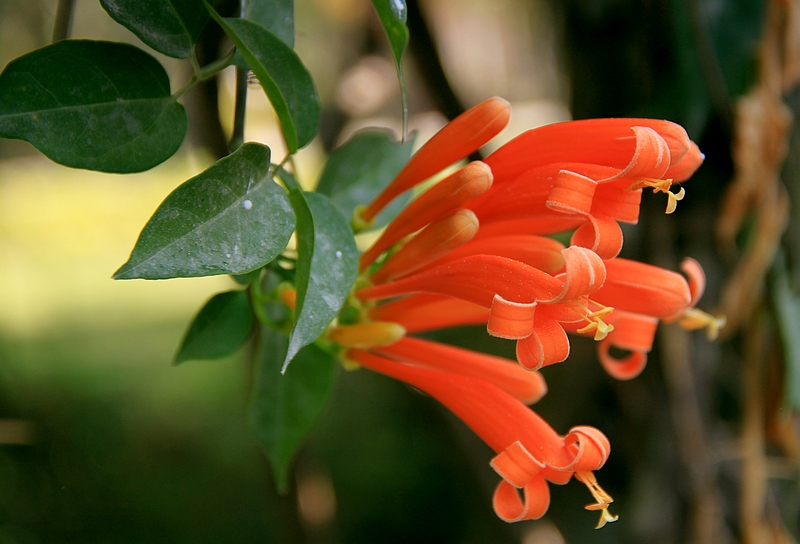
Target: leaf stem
{"points": [[213, 68], [206, 72], [194, 63], [189, 84], [63, 23]]}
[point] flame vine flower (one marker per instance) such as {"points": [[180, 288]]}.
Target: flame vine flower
{"points": [[475, 249]]}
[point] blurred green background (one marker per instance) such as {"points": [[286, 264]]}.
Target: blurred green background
{"points": [[102, 440]]}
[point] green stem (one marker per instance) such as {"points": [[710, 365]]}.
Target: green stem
{"points": [[212, 69], [206, 72], [63, 23], [195, 64], [257, 301], [189, 84], [237, 138]]}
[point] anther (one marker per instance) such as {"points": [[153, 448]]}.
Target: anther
{"points": [[603, 499], [660, 186], [594, 319], [694, 319]]}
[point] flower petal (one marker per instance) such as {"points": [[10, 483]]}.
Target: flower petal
{"points": [[547, 344], [510, 320], [460, 137], [456, 190], [683, 169], [572, 193], [697, 278], [593, 449], [608, 142], [651, 158], [435, 240], [585, 274], [418, 313], [600, 234], [475, 279], [626, 368], [516, 465], [643, 289], [534, 250], [527, 387], [510, 508]]}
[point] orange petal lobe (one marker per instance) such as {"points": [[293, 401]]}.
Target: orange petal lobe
{"points": [[510, 320], [547, 344], [585, 274], [510, 508]]}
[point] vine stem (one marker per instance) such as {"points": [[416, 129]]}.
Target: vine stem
{"points": [[237, 137]]}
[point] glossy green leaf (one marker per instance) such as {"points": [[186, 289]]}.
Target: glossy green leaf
{"points": [[358, 170], [787, 306], [230, 219], [96, 105], [393, 15], [334, 267], [219, 329], [285, 80], [284, 407], [170, 27], [305, 241], [277, 16]]}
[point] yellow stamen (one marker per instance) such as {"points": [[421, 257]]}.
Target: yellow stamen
{"points": [[603, 499], [594, 319], [694, 319], [660, 186]]}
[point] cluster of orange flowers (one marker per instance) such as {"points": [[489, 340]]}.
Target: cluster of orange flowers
{"points": [[474, 249]]}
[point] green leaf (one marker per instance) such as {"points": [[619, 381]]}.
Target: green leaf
{"points": [[277, 16], [358, 170], [170, 27], [230, 219], [393, 15], [334, 268], [96, 105], [787, 306], [285, 80], [219, 329], [305, 240], [285, 407]]}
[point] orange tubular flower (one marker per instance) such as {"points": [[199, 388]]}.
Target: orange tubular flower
{"points": [[472, 250], [456, 140], [529, 451]]}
